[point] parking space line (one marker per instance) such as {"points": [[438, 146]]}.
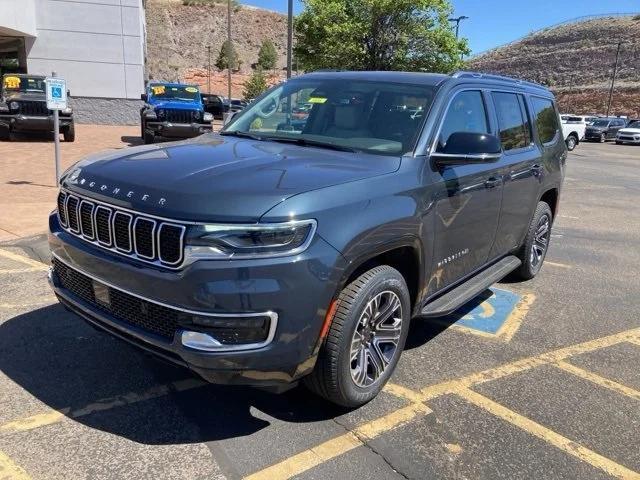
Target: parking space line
{"points": [[569, 446], [556, 264], [306, 460], [45, 301], [403, 392], [514, 320], [10, 471], [19, 270], [23, 259], [55, 416], [597, 379]]}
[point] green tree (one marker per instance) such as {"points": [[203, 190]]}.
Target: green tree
{"points": [[256, 84], [268, 55], [413, 35], [227, 58]]}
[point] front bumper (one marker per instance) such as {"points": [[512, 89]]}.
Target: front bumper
{"points": [[178, 130], [33, 123], [593, 135], [635, 139], [297, 289]]}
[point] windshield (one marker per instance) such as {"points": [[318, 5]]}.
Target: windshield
{"points": [[634, 125], [374, 117], [12, 83], [185, 93], [601, 123]]}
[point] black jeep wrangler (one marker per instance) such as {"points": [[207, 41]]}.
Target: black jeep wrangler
{"points": [[301, 246], [23, 108]]}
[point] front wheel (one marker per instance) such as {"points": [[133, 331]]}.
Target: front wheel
{"points": [[149, 137], [365, 340], [536, 243], [5, 134], [603, 137], [69, 133]]}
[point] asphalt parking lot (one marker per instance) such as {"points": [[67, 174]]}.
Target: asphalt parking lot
{"points": [[532, 380]]}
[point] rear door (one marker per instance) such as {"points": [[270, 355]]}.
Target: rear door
{"points": [[467, 198], [522, 172], [615, 125]]}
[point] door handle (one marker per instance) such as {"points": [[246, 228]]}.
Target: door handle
{"points": [[492, 182], [537, 169]]}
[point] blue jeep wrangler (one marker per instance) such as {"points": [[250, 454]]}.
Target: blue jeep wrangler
{"points": [[173, 110]]}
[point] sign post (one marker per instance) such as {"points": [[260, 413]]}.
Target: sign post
{"points": [[56, 101]]}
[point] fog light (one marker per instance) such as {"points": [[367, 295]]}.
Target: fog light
{"points": [[219, 333]]}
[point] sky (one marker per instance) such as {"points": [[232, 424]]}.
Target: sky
{"points": [[493, 23]]}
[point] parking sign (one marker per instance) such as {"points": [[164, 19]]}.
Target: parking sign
{"points": [[56, 93]]}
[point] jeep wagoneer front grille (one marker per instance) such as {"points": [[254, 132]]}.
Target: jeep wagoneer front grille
{"points": [[138, 236]]}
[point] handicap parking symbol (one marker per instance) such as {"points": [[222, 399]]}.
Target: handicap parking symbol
{"points": [[56, 92], [496, 313]]}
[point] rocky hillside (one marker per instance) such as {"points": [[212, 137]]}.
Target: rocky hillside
{"points": [[576, 60], [178, 36]]}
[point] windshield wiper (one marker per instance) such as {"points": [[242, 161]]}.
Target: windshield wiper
{"points": [[241, 134], [312, 143]]}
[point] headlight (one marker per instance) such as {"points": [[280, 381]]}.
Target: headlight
{"points": [[196, 115], [207, 117], [150, 115], [67, 111], [250, 241], [14, 105]]}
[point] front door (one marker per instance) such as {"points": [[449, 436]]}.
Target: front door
{"points": [[467, 200]]}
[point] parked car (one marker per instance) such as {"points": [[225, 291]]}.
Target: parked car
{"points": [[573, 130], [629, 134], [269, 254], [173, 110], [604, 129], [23, 108], [237, 105], [216, 105]]}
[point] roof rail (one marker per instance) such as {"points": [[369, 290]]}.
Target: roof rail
{"points": [[499, 78]]}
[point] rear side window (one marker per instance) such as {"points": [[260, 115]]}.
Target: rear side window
{"points": [[512, 121], [466, 113], [546, 118]]}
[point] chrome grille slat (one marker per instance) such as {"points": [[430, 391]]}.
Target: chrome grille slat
{"points": [[150, 240]]}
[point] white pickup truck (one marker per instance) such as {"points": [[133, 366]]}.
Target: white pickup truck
{"points": [[573, 128]]}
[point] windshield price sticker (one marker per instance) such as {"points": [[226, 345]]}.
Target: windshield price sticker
{"points": [[317, 100], [191, 90], [11, 83], [56, 93], [158, 90]]}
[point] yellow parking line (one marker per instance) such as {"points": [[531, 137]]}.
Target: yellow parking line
{"points": [[19, 270], [10, 471], [557, 264], [514, 320], [22, 259], [404, 392], [54, 416], [572, 448], [315, 456], [598, 380]]}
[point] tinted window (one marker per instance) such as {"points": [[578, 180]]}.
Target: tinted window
{"points": [[546, 118], [514, 131], [466, 113], [601, 123], [618, 123]]}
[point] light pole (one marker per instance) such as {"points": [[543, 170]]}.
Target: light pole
{"points": [[613, 78], [289, 38], [229, 51], [209, 69], [458, 20]]}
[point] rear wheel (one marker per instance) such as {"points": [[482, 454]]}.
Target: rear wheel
{"points": [[536, 243], [69, 133], [571, 142], [365, 340]]}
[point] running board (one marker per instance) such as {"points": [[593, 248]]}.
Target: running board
{"points": [[454, 299]]}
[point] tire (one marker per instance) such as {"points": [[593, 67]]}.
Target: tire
{"points": [[532, 260], [149, 137], [618, 142], [603, 137], [69, 133], [5, 135], [336, 376], [571, 142], [142, 128]]}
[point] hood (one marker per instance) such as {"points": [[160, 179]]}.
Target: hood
{"points": [[25, 97], [629, 131], [177, 105], [215, 178]]}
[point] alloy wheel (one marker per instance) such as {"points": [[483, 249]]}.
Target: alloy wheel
{"points": [[540, 240], [376, 337]]}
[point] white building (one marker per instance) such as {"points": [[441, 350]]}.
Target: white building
{"points": [[96, 45]]}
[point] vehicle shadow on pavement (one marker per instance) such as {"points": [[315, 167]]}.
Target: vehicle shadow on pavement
{"points": [[66, 364], [131, 141]]}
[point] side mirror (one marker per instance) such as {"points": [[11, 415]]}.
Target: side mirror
{"points": [[144, 97], [469, 147]]}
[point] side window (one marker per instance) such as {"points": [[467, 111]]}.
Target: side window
{"points": [[466, 113], [511, 121], [546, 118]]}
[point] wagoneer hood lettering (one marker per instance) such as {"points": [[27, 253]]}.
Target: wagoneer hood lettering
{"points": [[212, 178]]}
